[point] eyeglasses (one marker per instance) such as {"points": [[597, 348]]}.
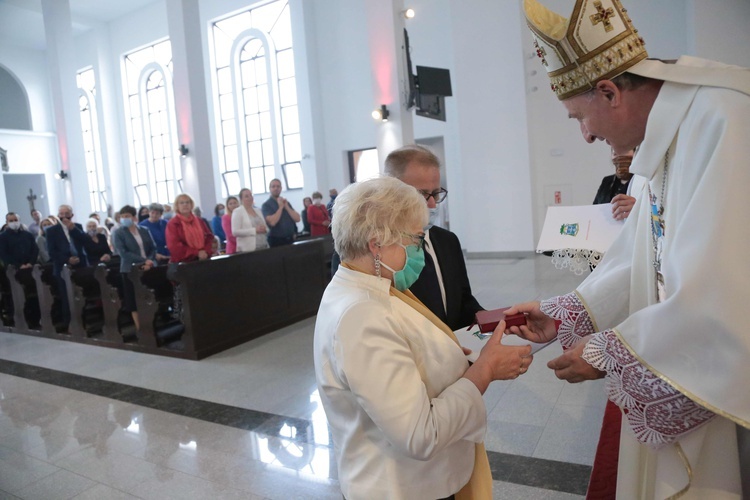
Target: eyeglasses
{"points": [[438, 195], [417, 239]]}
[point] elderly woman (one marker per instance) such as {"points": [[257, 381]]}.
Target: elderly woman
{"points": [[188, 236], [134, 246], [158, 229], [97, 246], [404, 406], [317, 217]]}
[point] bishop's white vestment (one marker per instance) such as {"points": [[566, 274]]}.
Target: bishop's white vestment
{"points": [[678, 361]]}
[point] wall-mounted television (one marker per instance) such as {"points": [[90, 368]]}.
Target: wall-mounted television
{"points": [[434, 81], [428, 88]]}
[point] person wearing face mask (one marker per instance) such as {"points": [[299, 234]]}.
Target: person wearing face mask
{"points": [[444, 284], [97, 248], [401, 400], [618, 188], [317, 216], [17, 245], [135, 246]]}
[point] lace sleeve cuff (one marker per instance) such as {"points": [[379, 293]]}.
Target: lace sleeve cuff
{"points": [[657, 413], [574, 319]]}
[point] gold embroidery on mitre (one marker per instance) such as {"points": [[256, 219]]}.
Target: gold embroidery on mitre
{"points": [[540, 52], [602, 16], [576, 52]]}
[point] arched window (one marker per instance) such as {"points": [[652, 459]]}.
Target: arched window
{"points": [[256, 98], [92, 150], [154, 164]]}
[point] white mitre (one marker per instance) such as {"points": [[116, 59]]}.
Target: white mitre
{"points": [[598, 42]]}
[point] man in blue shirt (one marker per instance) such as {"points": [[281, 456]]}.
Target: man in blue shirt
{"points": [[280, 216], [158, 229]]}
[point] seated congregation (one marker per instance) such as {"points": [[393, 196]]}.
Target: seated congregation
{"points": [[158, 286]]}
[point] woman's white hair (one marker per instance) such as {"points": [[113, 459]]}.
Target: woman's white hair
{"points": [[382, 208]]}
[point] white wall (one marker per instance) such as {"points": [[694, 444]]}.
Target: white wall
{"points": [[30, 67], [719, 33], [345, 84], [36, 151], [489, 92], [32, 153]]}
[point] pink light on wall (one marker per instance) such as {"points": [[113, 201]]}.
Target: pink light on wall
{"points": [[382, 64]]}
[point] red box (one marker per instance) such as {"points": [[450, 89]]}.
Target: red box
{"points": [[488, 320]]}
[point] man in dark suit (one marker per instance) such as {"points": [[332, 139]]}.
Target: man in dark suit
{"points": [[65, 243], [443, 286], [616, 188]]}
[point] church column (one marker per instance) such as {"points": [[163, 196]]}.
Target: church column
{"points": [[116, 168], [385, 29], [190, 94], [61, 59]]}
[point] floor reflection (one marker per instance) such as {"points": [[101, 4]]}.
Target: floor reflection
{"points": [[302, 445], [89, 422]]}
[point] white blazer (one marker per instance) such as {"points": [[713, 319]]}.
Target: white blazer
{"points": [[403, 420], [243, 228]]}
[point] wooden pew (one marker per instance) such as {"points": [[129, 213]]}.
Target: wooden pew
{"points": [[110, 300], [231, 299], [85, 299], [226, 300], [154, 297], [46, 289], [25, 303], [17, 298], [6, 299]]}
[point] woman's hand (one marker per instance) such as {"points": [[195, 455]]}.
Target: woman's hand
{"points": [[498, 362], [202, 255], [105, 258], [538, 328], [261, 229]]}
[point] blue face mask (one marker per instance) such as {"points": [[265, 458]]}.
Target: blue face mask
{"points": [[126, 222], [434, 212], [413, 266]]}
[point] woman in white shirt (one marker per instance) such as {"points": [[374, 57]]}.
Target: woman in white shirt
{"points": [[405, 408], [248, 225]]}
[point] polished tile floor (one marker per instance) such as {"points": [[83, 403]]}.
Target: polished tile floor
{"points": [[77, 421]]}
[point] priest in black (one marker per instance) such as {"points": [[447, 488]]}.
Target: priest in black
{"points": [[616, 188], [444, 284]]}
